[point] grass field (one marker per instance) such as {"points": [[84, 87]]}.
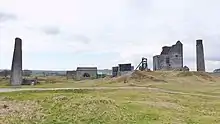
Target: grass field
{"points": [[181, 98], [108, 106]]}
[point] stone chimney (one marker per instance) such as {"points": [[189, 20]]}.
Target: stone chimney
{"points": [[200, 61], [16, 67]]}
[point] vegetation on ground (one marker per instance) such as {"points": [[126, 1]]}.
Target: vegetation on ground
{"points": [[107, 106], [170, 97], [172, 80]]}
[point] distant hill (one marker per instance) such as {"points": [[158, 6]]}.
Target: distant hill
{"points": [[50, 72], [37, 72]]}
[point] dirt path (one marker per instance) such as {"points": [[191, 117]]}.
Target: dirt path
{"points": [[2, 90], [89, 88]]}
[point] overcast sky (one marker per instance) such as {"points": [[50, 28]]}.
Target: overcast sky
{"points": [[64, 34]]}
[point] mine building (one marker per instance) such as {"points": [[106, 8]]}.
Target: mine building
{"points": [[83, 73], [171, 58]]}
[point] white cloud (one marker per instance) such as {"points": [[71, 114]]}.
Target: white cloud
{"points": [[132, 28]]}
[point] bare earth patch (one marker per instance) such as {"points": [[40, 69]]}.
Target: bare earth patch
{"points": [[19, 110]]}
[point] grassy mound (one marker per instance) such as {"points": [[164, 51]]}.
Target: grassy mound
{"points": [[138, 76], [147, 76], [164, 76], [199, 75], [158, 78]]}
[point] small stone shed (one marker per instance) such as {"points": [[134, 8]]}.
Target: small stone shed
{"points": [[83, 73]]}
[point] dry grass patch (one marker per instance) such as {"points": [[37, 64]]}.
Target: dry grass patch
{"points": [[138, 77], [200, 75], [22, 111]]}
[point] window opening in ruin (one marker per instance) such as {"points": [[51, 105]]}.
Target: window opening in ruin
{"points": [[86, 75], [176, 55], [167, 60]]}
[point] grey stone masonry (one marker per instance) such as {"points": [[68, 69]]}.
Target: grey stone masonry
{"points": [[83, 73], [171, 58], [200, 60], [16, 67]]}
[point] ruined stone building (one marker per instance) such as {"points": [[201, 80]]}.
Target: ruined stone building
{"points": [[87, 73], [171, 58], [83, 73], [115, 71], [122, 69]]}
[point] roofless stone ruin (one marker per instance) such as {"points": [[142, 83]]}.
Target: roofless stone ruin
{"points": [[171, 58]]}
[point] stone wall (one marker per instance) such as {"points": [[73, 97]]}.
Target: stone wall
{"points": [[83, 73], [124, 69], [114, 71], [170, 58]]}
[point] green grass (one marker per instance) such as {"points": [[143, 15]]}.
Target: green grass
{"points": [[196, 101], [190, 82], [109, 107]]}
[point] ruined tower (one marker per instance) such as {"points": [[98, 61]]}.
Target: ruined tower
{"points": [[16, 67], [171, 58], [200, 61]]}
